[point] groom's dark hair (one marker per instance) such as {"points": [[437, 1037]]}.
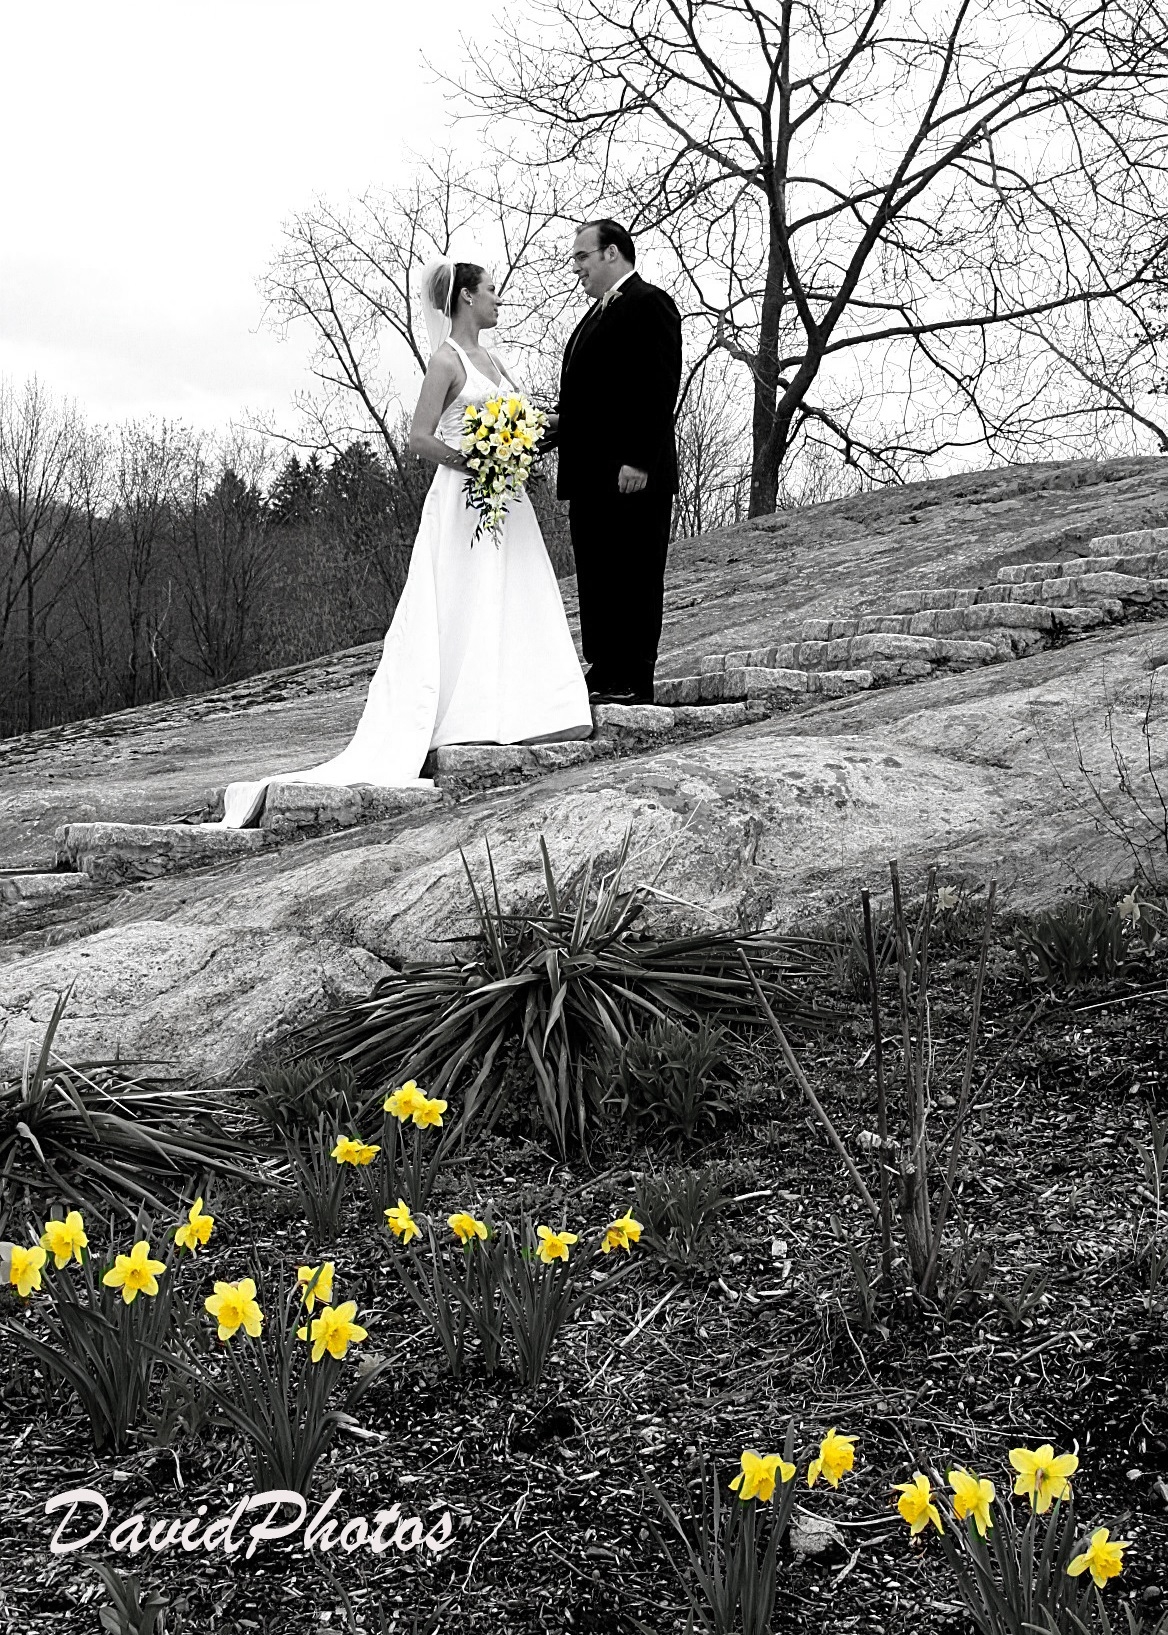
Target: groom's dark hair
{"points": [[611, 232]]}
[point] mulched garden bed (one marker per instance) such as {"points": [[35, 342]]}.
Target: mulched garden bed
{"points": [[1062, 1342]]}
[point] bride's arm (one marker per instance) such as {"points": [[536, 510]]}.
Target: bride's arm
{"points": [[441, 376]]}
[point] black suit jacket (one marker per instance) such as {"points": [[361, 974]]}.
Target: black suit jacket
{"points": [[618, 388]]}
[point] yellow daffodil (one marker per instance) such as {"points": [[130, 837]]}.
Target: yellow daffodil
{"points": [[334, 1331], [428, 1113], [621, 1234], [401, 1223], [916, 1504], [322, 1289], [756, 1480], [554, 1245], [196, 1229], [234, 1306], [465, 1228], [64, 1240], [837, 1455], [972, 1497], [1103, 1558], [135, 1273], [946, 898], [404, 1102], [352, 1150], [1042, 1475], [24, 1268]]}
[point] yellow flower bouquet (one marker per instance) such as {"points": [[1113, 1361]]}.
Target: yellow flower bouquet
{"points": [[500, 439]]}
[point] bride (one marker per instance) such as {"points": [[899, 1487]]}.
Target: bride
{"points": [[479, 650]]}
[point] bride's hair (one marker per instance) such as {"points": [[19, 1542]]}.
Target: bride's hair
{"points": [[448, 283]]}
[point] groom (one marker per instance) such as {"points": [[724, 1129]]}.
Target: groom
{"points": [[618, 459]]}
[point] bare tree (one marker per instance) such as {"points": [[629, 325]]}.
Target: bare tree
{"points": [[38, 444], [149, 461], [865, 204], [349, 274], [224, 554], [96, 527]]}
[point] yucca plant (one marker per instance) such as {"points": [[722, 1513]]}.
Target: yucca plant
{"points": [[91, 1133], [562, 988]]}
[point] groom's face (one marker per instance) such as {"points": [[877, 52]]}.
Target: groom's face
{"points": [[597, 269]]}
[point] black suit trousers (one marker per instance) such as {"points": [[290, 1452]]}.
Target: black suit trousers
{"points": [[620, 542]]}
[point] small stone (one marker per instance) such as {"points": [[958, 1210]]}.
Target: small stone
{"points": [[814, 1538], [1133, 1475]]}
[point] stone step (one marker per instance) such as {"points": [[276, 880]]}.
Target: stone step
{"points": [[463, 769], [757, 684], [294, 808], [1148, 564], [25, 889], [850, 652], [1136, 539], [1130, 590], [113, 852], [948, 621]]}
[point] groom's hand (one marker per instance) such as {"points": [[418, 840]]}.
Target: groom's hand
{"points": [[630, 480]]}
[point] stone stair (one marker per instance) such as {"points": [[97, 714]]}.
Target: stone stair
{"points": [[922, 633]]}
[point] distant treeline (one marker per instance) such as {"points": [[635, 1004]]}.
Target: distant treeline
{"points": [[146, 562]]}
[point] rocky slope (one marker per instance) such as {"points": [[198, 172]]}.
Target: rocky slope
{"points": [[771, 823]]}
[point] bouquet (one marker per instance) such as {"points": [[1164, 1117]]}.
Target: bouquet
{"points": [[500, 439]]}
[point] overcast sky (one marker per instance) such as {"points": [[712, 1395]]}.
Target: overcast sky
{"points": [[153, 150]]}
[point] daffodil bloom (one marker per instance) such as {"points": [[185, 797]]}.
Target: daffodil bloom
{"points": [[1103, 1558], [322, 1289], [404, 1102], [946, 898], [401, 1223], [64, 1240], [24, 1268], [352, 1150], [916, 1504], [554, 1245], [465, 1228], [1042, 1475], [334, 1331], [135, 1273], [234, 1306], [756, 1480], [196, 1229], [837, 1455], [1128, 908], [621, 1234], [428, 1113], [972, 1497]]}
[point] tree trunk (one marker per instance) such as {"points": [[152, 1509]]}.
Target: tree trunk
{"points": [[30, 677], [765, 462]]}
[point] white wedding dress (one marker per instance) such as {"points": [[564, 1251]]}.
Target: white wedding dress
{"points": [[479, 650]]}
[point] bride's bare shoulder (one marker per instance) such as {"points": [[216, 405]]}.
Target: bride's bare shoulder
{"points": [[445, 363]]}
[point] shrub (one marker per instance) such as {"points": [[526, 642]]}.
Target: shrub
{"points": [[292, 1097], [562, 987], [95, 1135], [1074, 944], [680, 1213], [668, 1078]]}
